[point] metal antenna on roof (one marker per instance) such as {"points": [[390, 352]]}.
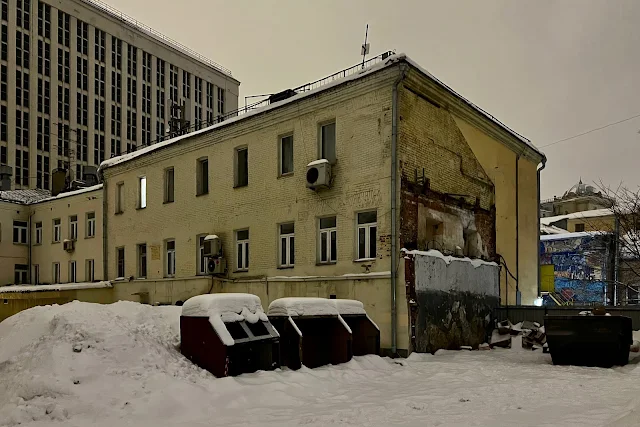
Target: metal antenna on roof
{"points": [[365, 47]]}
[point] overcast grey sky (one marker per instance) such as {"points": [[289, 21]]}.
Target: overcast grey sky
{"points": [[548, 69]]}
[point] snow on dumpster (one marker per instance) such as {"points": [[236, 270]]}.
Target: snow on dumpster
{"points": [[312, 332], [364, 332], [228, 334]]}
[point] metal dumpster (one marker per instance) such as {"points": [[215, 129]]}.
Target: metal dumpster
{"points": [[601, 341], [228, 334], [364, 332], [312, 333]]}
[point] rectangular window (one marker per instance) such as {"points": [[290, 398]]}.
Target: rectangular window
{"points": [[220, 104], [367, 234], [186, 84], [36, 274], [73, 227], [328, 249], [169, 175], [20, 274], [72, 272], [202, 176], [56, 272], [170, 247], [91, 224], [242, 167], [242, 250], [579, 228], [89, 271], [120, 262], [142, 261], [57, 230], [202, 260], [20, 232], [287, 245], [38, 233], [119, 197], [142, 192], [286, 155], [328, 142]]}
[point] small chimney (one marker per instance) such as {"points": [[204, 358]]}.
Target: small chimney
{"points": [[5, 177]]}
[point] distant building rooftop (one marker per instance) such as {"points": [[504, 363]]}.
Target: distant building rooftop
{"points": [[30, 197]]}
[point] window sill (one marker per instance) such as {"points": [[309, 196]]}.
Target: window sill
{"points": [[318, 264], [168, 202], [141, 209], [241, 186], [20, 244], [119, 213], [37, 244], [364, 259], [90, 237], [285, 175], [202, 194], [240, 271], [55, 242], [286, 267]]}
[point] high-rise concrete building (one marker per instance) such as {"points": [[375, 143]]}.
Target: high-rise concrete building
{"points": [[81, 82]]}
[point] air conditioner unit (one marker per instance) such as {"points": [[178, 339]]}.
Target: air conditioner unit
{"points": [[216, 266], [69, 245], [212, 246], [319, 174]]}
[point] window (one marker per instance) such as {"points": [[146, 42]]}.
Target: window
{"points": [[142, 260], [202, 176], [38, 233], [20, 232], [220, 103], [287, 245], [202, 260], [36, 274], [73, 227], [242, 167], [91, 224], [579, 228], [169, 175], [186, 84], [286, 155], [170, 247], [328, 240], [242, 250], [56, 272], [119, 197], [367, 232], [57, 231], [72, 272], [20, 274], [120, 262], [328, 142], [89, 271], [142, 192]]}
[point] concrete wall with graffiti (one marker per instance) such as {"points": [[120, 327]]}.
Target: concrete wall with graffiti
{"points": [[582, 265]]}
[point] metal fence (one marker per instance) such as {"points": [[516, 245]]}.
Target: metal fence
{"points": [[536, 314]]}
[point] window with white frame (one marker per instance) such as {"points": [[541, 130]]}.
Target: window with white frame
{"points": [[91, 224], [367, 229], [287, 245], [142, 260], [73, 227], [89, 270], [328, 142], [328, 245], [20, 232], [202, 260], [72, 272], [57, 231], [56, 272], [21, 273], [170, 250], [286, 155], [242, 250], [38, 233], [120, 262], [142, 192]]}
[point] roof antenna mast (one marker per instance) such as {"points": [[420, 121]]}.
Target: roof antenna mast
{"points": [[365, 47]]}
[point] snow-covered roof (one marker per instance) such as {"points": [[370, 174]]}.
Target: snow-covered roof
{"points": [[293, 307], [71, 193], [225, 308], [577, 215], [24, 197], [56, 287], [448, 258], [569, 235], [552, 229], [349, 306], [390, 61]]}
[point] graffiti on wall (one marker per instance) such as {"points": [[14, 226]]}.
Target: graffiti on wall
{"points": [[580, 266]]}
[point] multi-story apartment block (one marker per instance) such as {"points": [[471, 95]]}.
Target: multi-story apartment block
{"points": [[80, 82]]}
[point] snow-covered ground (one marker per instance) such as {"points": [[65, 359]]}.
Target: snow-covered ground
{"points": [[85, 364]]}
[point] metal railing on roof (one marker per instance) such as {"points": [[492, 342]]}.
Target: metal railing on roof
{"points": [[155, 34], [263, 103]]}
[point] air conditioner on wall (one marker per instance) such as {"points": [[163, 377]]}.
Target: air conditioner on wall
{"points": [[69, 245], [319, 174]]}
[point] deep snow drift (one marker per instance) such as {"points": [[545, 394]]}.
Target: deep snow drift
{"points": [[84, 364]]}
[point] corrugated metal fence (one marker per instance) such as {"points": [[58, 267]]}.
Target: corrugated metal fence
{"points": [[536, 314]]}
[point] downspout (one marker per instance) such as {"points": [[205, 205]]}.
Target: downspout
{"points": [[394, 195], [543, 165], [105, 234], [30, 252], [518, 295]]}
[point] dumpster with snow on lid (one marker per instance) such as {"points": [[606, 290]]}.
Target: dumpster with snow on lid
{"points": [[228, 334], [364, 332], [312, 333], [601, 341]]}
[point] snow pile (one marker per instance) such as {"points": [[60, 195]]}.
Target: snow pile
{"points": [[303, 307], [448, 258], [349, 306], [225, 308]]}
